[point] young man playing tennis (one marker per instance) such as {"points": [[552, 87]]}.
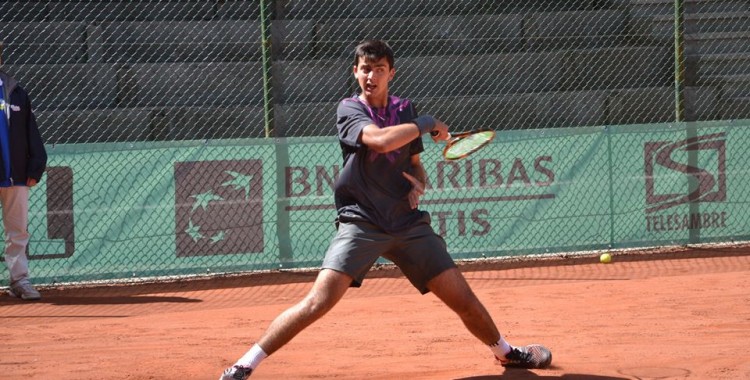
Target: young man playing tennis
{"points": [[377, 197]]}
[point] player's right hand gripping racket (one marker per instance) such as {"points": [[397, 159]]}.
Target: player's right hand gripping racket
{"points": [[463, 144]]}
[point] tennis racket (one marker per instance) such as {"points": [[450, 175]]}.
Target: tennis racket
{"points": [[462, 144]]}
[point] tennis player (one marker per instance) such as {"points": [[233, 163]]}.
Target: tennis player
{"points": [[377, 197]]}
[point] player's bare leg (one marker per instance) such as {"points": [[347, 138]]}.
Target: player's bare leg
{"points": [[328, 289], [451, 288]]}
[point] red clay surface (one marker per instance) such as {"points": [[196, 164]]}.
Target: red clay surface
{"points": [[685, 315]]}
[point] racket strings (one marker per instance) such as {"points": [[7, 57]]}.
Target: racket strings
{"points": [[464, 146]]}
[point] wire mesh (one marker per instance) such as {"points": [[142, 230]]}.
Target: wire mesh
{"points": [[179, 99]]}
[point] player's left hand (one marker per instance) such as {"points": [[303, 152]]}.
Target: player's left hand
{"points": [[30, 182], [417, 189], [440, 132]]}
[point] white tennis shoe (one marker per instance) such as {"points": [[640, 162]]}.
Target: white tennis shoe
{"points": [[531, 356], [236, 373]]}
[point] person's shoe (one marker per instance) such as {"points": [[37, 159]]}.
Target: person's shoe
{"points": [[25, 291], [531, 356], [236, 373]]}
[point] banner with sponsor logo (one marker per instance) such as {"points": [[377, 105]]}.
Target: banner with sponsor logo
{"points": [[228, 206], [690, 184], [189, 208]]}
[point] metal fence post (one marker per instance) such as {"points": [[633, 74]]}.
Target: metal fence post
{"points": [[679, 69], [265, 22]]}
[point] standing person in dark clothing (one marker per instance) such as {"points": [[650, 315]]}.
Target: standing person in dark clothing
{"points": [[23, 160]]}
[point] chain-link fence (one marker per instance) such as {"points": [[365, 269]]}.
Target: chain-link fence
{"points": [[142, 103]]}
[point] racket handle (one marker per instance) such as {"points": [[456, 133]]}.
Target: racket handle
{"points": [[435, 133]]}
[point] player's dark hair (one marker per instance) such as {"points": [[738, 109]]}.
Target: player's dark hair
{"points": [[373, 50]]}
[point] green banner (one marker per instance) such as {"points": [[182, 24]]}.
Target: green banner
{"points": [[201, 207]]}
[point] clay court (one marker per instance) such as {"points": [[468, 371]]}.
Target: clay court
{"points": [[678, 315]]}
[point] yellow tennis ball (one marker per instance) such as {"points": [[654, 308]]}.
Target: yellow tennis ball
{"points": [[605, 258]]}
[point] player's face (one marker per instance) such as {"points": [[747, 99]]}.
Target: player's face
{"points": [[373, 78]]}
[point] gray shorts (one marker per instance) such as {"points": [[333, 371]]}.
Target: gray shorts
{"points": [[419, 252]]}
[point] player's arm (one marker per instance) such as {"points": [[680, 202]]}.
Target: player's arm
{"points": [[37, 155], [418, 180], [383, 140]]}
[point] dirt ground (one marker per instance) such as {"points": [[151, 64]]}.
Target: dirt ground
{"points": [[682, 315]]}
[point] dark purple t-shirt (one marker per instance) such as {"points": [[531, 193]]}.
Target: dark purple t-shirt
{"points": [[371, 185]]}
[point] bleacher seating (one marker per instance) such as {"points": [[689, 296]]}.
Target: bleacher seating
{"points": [[311, 81], [331, 9], [334, 9], [472, 75], [191, 123], [22, 11], [121, 10], [69, 86], [89, 126], [43, 42], [717, 55], [175, 41], [210, 85], [150, 70], [425, 35], [585, 29], [716, 37], [305, 119]]}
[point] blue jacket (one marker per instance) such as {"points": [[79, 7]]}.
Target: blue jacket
{"points": [[24, 145]]}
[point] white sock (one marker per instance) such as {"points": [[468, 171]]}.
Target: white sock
{"points": [[500, 349], [252, 358]]}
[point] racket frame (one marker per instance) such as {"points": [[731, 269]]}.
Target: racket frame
{"points": [[454, 138]]}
